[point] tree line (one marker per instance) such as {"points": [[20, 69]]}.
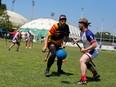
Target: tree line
{"points": [[105, 37], [4, 18]]}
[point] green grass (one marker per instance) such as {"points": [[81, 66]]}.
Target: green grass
{"points": [[26, 69]]}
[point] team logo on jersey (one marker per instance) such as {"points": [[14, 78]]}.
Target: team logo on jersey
{"points": [[91, 37]]}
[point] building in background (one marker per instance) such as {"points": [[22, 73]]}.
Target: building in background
{"points": [[41, 26]]}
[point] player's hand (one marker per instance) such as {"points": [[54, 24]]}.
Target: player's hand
{"points": [[83, 50], [44, 60], [63, 46], [63, 61], [73, 41], [44, 49]]}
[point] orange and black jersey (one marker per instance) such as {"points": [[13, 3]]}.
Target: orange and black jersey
{"points": [[58, 33]]}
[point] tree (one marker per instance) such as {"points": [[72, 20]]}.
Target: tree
{"points": [[0, 2], [4, 18], [106, 36]]}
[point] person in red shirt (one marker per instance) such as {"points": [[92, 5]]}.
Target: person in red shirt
{"points": [[54, 40]]}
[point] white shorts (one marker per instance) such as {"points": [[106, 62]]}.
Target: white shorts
{"points": [[14, 40], [27, 39], [92, 54]]}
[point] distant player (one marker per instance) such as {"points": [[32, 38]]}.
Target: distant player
{"points": [[16, 40], [28, 37]]}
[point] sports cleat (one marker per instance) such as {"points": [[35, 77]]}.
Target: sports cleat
{"points": [[81, 82], [17, 50], [96, 76], [61, 72], [47, 73], [9, 49]]}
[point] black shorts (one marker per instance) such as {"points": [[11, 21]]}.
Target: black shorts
{"points": [[17, 43]]}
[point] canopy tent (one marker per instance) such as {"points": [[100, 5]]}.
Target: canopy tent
{"points": [[41, 26]]}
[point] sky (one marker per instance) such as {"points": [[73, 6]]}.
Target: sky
{"points": [[101, 13]]}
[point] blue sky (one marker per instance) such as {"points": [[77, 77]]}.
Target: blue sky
{"points": [[101, 13]]}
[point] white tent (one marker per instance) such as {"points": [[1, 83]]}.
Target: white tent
{"points": [[41, 26], [16, 18]]}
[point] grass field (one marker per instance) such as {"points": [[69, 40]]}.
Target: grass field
{"points": [[26, 69]]}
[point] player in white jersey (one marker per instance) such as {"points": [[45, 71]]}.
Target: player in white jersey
{"points": [[16, 39], [89, 51], [28, 37]]}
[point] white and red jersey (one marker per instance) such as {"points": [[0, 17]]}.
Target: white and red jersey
{"points": [[88, 38], [27, 36], [16, 37]]}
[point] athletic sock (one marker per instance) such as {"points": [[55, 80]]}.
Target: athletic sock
{"points": [[83, 77]]}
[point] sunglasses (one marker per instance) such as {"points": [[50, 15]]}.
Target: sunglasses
{"points": [[81, 22], [62, 19]]}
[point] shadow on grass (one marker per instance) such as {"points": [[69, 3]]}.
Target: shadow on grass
{"points": [[56, 74], [89, 79]]}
